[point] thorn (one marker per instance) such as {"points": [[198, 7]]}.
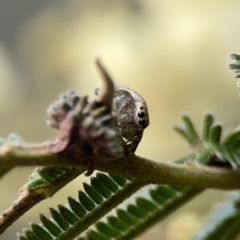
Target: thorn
{"points": [[106, 94]]}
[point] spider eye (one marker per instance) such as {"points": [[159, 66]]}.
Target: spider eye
{"points": [[141, 114], [142, 122]]}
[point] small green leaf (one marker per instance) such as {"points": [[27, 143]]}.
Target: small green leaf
{"points": [[50, 226], [235, 56], [191, 131], [146, 204], [215, 133], [230, 158], [124, 216], [100, 187], [30, 235], [77, 208], [97, 236], [136, 211], [203, 156], [234, 66], [106, 229], [107, 181], [181, 130], [68, 215], [40, 232], [232, 141], [35, 184], [50, 174], [62, 223], [86, 201], [117, 223], [93, 194], [208, 120], [165, 192], [157, 197], [121, 181]]}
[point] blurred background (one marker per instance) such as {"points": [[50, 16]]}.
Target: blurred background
{"points": [[175, 53]]}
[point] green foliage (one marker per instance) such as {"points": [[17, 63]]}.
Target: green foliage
{"points": [[103, 194], [128, 223], [235, 66], [158, 203], [223, 222], [163, 200], [226, 149], [43, 177]]}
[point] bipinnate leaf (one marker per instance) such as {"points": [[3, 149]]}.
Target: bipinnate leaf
{"points": [[223, 222], [104, 193]]}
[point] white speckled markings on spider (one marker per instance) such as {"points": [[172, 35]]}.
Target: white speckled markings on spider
{"points": [[131, 113]]}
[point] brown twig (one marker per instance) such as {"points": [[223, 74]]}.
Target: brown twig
{"points": [[25, 202], [29, 198]]}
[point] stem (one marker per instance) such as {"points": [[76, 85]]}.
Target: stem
{"points": [[199, 176], [25, 202], [28, 199], [136, 168]]}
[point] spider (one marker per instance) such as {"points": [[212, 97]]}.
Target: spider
{"points": [[131, 113]]}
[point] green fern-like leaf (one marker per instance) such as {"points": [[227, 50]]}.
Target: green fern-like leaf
{"points": [[135, 218], [223, 222], [226, 149], [187, 130], [104, 193], [235, 66], [128, 223]]}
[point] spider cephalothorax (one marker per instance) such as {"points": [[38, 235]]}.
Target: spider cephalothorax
{"points": [[131, 112]]}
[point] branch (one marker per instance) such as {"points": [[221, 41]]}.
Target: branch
{"points": [[29, 198], [89, 139], [199, 176], [141, 169]]}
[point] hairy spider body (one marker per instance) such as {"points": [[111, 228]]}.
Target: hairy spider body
{"points": [[131, 112]]}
